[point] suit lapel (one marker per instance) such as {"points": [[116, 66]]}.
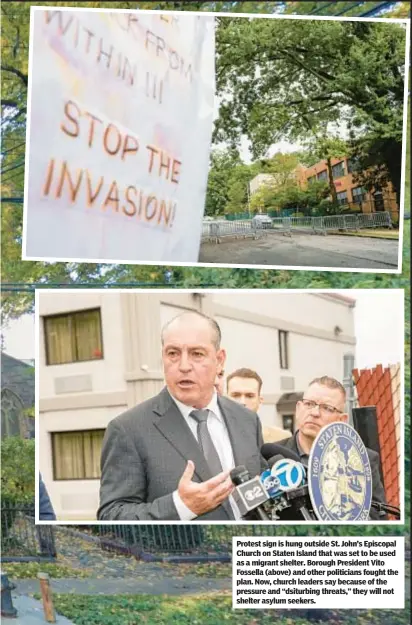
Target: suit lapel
{"points": [[170, 422]]}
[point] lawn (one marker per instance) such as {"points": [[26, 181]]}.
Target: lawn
{"points": [[373, 234], [208, 609]]}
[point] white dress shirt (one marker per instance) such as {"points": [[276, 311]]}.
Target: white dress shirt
{"points": [[220, 437]]}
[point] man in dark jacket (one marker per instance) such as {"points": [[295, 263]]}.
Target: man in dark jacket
{"points": [[324, 403], [46, 512]]}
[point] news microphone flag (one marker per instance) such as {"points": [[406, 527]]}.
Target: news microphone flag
{"points": [[289, 473], [249, 494]]}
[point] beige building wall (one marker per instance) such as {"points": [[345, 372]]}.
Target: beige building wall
{"points": [[320, 331], [85, 396]]}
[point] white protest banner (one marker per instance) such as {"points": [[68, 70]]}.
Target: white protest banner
{"points": [[120, 122]]}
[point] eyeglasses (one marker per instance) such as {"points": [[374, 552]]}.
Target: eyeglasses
{"points": [[323, 408]]}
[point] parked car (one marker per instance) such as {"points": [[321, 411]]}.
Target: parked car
{"points": [[262, 221]]}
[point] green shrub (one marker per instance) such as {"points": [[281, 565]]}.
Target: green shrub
{"points": [[17, 479], [17, 469]]}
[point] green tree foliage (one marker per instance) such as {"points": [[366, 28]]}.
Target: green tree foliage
{"points": [[282, 168], [351, 72], [222, 163], [324, 147], [352, 9], [17, 469]]}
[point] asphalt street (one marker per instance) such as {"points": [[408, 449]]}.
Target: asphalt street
{"points": [[305, 250]]}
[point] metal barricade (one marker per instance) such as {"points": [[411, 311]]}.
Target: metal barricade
{"points": [[281, 224], [301, 223], [318, 225], [215, 231], [375, 220]]}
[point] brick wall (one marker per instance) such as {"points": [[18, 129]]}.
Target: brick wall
{"points": [[381, 387]]}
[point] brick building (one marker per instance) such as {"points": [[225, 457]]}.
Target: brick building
{"points": [[349, 192]]}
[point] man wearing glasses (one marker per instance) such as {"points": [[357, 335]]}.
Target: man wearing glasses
{"points": [[324, 403]]}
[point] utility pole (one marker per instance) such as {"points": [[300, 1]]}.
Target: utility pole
{"points": [[348, 366]]}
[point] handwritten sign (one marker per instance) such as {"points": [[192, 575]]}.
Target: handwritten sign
{"points": [[120, 122]]}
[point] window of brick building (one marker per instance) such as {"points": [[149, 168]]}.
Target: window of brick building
{"points": [[342, 197], [338, 170], [359, 194]]}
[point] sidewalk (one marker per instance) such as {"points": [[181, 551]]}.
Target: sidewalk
{"points": [[30, 612], [187, 584]]}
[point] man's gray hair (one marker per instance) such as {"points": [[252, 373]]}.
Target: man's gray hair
{"points": [[214, 326], [329, 382]]}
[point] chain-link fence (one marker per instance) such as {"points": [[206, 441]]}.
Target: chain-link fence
{"points": [[380, 387]]}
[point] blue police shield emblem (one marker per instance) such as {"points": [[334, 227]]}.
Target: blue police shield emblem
{"points": [[339, 475]]}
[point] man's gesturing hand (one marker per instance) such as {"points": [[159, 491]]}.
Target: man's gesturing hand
{"points": [[206, 496]]}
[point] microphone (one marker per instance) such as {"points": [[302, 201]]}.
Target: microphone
{"points": [[289, 488], [384, 508], [249, 494], [269, 450], [290, 473], [271, 482]]}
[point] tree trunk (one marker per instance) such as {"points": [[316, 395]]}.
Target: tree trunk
{"points": [[331, 183], [393, 161]]}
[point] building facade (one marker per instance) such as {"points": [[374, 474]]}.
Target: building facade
{"points": [[17, 397], [100, 353], [350, 194]]}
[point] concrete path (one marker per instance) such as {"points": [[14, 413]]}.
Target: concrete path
{"points": [[189, 584], [30, 612]]}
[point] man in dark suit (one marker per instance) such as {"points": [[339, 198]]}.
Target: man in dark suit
{"points": [[170, 457], [323, 403]]}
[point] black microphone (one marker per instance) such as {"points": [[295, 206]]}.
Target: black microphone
{"points": [[297, 495], [249, 494], [269, 450]]}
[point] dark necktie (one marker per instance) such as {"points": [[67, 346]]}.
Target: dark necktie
{"points": [[205, 441], [209, 450]]}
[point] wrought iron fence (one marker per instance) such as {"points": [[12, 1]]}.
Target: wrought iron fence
{"points": [[188, 542], [191, 541], [21, 539]]}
